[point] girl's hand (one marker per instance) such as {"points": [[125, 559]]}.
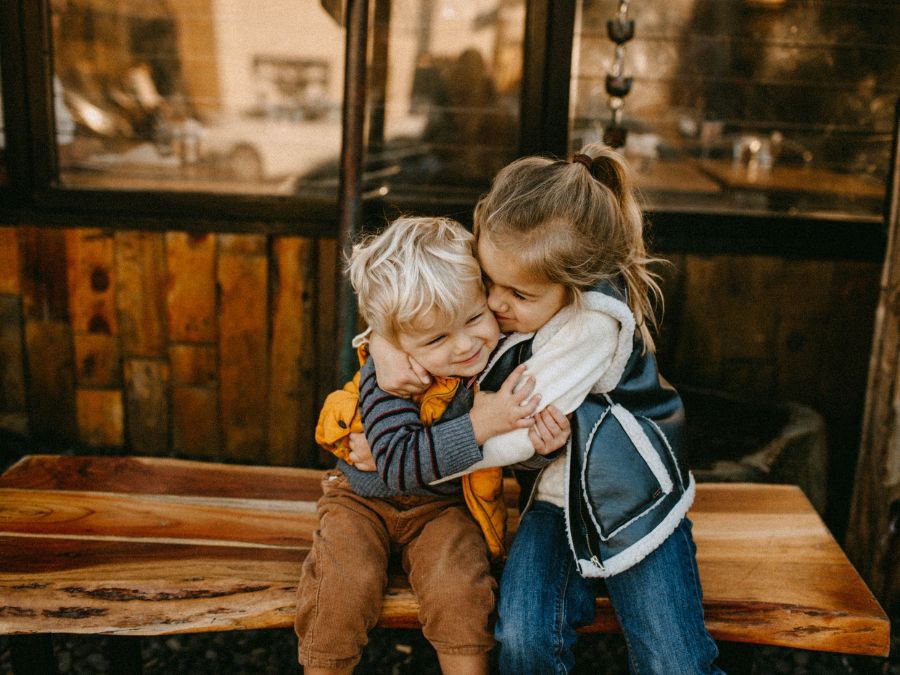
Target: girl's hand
{"points": [[550, 431], [510, 407], [396, 373], [361, 453]]}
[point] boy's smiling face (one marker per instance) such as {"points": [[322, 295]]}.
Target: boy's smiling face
{"points": [[521, 303], [455, 347]]}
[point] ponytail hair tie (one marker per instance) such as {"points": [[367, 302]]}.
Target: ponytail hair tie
{"points": [[585, 160]]}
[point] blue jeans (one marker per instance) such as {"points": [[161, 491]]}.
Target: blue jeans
{"points": [[543, 600]]}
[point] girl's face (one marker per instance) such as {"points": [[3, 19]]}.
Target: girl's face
{"points": [[521, 302]]}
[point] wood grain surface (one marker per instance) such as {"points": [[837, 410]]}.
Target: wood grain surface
{"points": [[147, 546]]}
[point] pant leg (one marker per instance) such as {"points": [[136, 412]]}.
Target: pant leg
{"points": [[658, 604], [543, 599], [447, 562], [343, 578]]}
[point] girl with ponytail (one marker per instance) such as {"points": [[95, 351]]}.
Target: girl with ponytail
{"points": [[561, 247]]}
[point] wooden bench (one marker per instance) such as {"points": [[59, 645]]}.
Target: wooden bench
{"points": [[140, 546]]}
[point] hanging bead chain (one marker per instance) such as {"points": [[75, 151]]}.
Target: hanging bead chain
{"points": [[620, 30]]}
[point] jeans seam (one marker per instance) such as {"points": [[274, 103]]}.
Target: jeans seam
{"points": [[691, 566]]}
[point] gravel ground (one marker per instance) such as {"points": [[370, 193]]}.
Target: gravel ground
{"points": [[392, 652]]}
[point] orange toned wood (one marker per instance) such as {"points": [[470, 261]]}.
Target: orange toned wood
{"points": [[91, 278], [9, 261], [326, 375], [147, 403], [195, 421], [193, 365], [191, 288], [161, 476], [291, 393], [42, 273], [51, 380], [12, 363], [243, 341], [97, 360], [100, 417], [326, 304], [140, 274], [153, 546]]}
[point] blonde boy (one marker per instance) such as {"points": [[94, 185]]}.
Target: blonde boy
{"points": [[419, 286]]}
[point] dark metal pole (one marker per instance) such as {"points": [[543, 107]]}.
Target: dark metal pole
{"points": [[350, 191]]}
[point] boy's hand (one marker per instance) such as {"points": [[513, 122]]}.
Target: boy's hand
{"points": [[510, 407], [550, 431], [396, 373], [361, 453]]}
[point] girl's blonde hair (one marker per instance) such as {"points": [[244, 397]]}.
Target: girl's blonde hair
{"points": [[574, 223], [414, 266]]}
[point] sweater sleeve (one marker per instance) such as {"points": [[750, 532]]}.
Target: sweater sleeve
{"points": [[408, 454], [565, 369]]}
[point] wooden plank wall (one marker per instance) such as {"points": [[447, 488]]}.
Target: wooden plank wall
{"points": [[197, 345], [219, 345], [776, 329]]}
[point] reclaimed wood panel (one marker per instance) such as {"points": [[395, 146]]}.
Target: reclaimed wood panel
{"points": [[42, 268], [51, 380], [291, 391], [326, 317], [80, 559], [13, 402], [140, 280], [242, 274], [100, 416], [195, 400], [147, 405], [9, 261], [98, 363], [193, 365], [196, 428], [191, 288], [90, 257]]}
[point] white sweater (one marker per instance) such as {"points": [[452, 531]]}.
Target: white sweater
{"points": [[584, 348]]}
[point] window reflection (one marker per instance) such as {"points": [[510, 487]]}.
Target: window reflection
{"points": [[3, 170], [205, 95], [226, 95], [443, 96], [749, 105]]}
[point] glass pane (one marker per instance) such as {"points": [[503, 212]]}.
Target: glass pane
{"points": [[753, 106], [443, 95], [3, 169], [197, 95]]}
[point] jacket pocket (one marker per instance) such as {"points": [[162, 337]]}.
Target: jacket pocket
{"points": [[624, 472]]}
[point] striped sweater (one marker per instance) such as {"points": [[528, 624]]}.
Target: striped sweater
{"points": [[409, 454]]}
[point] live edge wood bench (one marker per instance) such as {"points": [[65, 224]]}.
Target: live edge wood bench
{"points": [[140, 546]]}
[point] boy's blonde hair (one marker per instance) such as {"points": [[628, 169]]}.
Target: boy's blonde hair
{"points": [[414, 266], [573, 223]]}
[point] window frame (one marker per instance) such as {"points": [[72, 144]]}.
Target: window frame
{"points": [[32, 196]]}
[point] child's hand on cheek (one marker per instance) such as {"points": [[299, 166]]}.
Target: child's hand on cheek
{"points": [[550, 431], [396, 373], [511, 407]]}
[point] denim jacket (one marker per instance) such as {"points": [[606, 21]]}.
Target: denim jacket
{"points": [[628, 486]]}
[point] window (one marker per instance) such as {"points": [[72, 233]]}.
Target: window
{"points": [[748, 106], [3, 169], [443, 98], [203, 96], [445, 114], [226, 96]]}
